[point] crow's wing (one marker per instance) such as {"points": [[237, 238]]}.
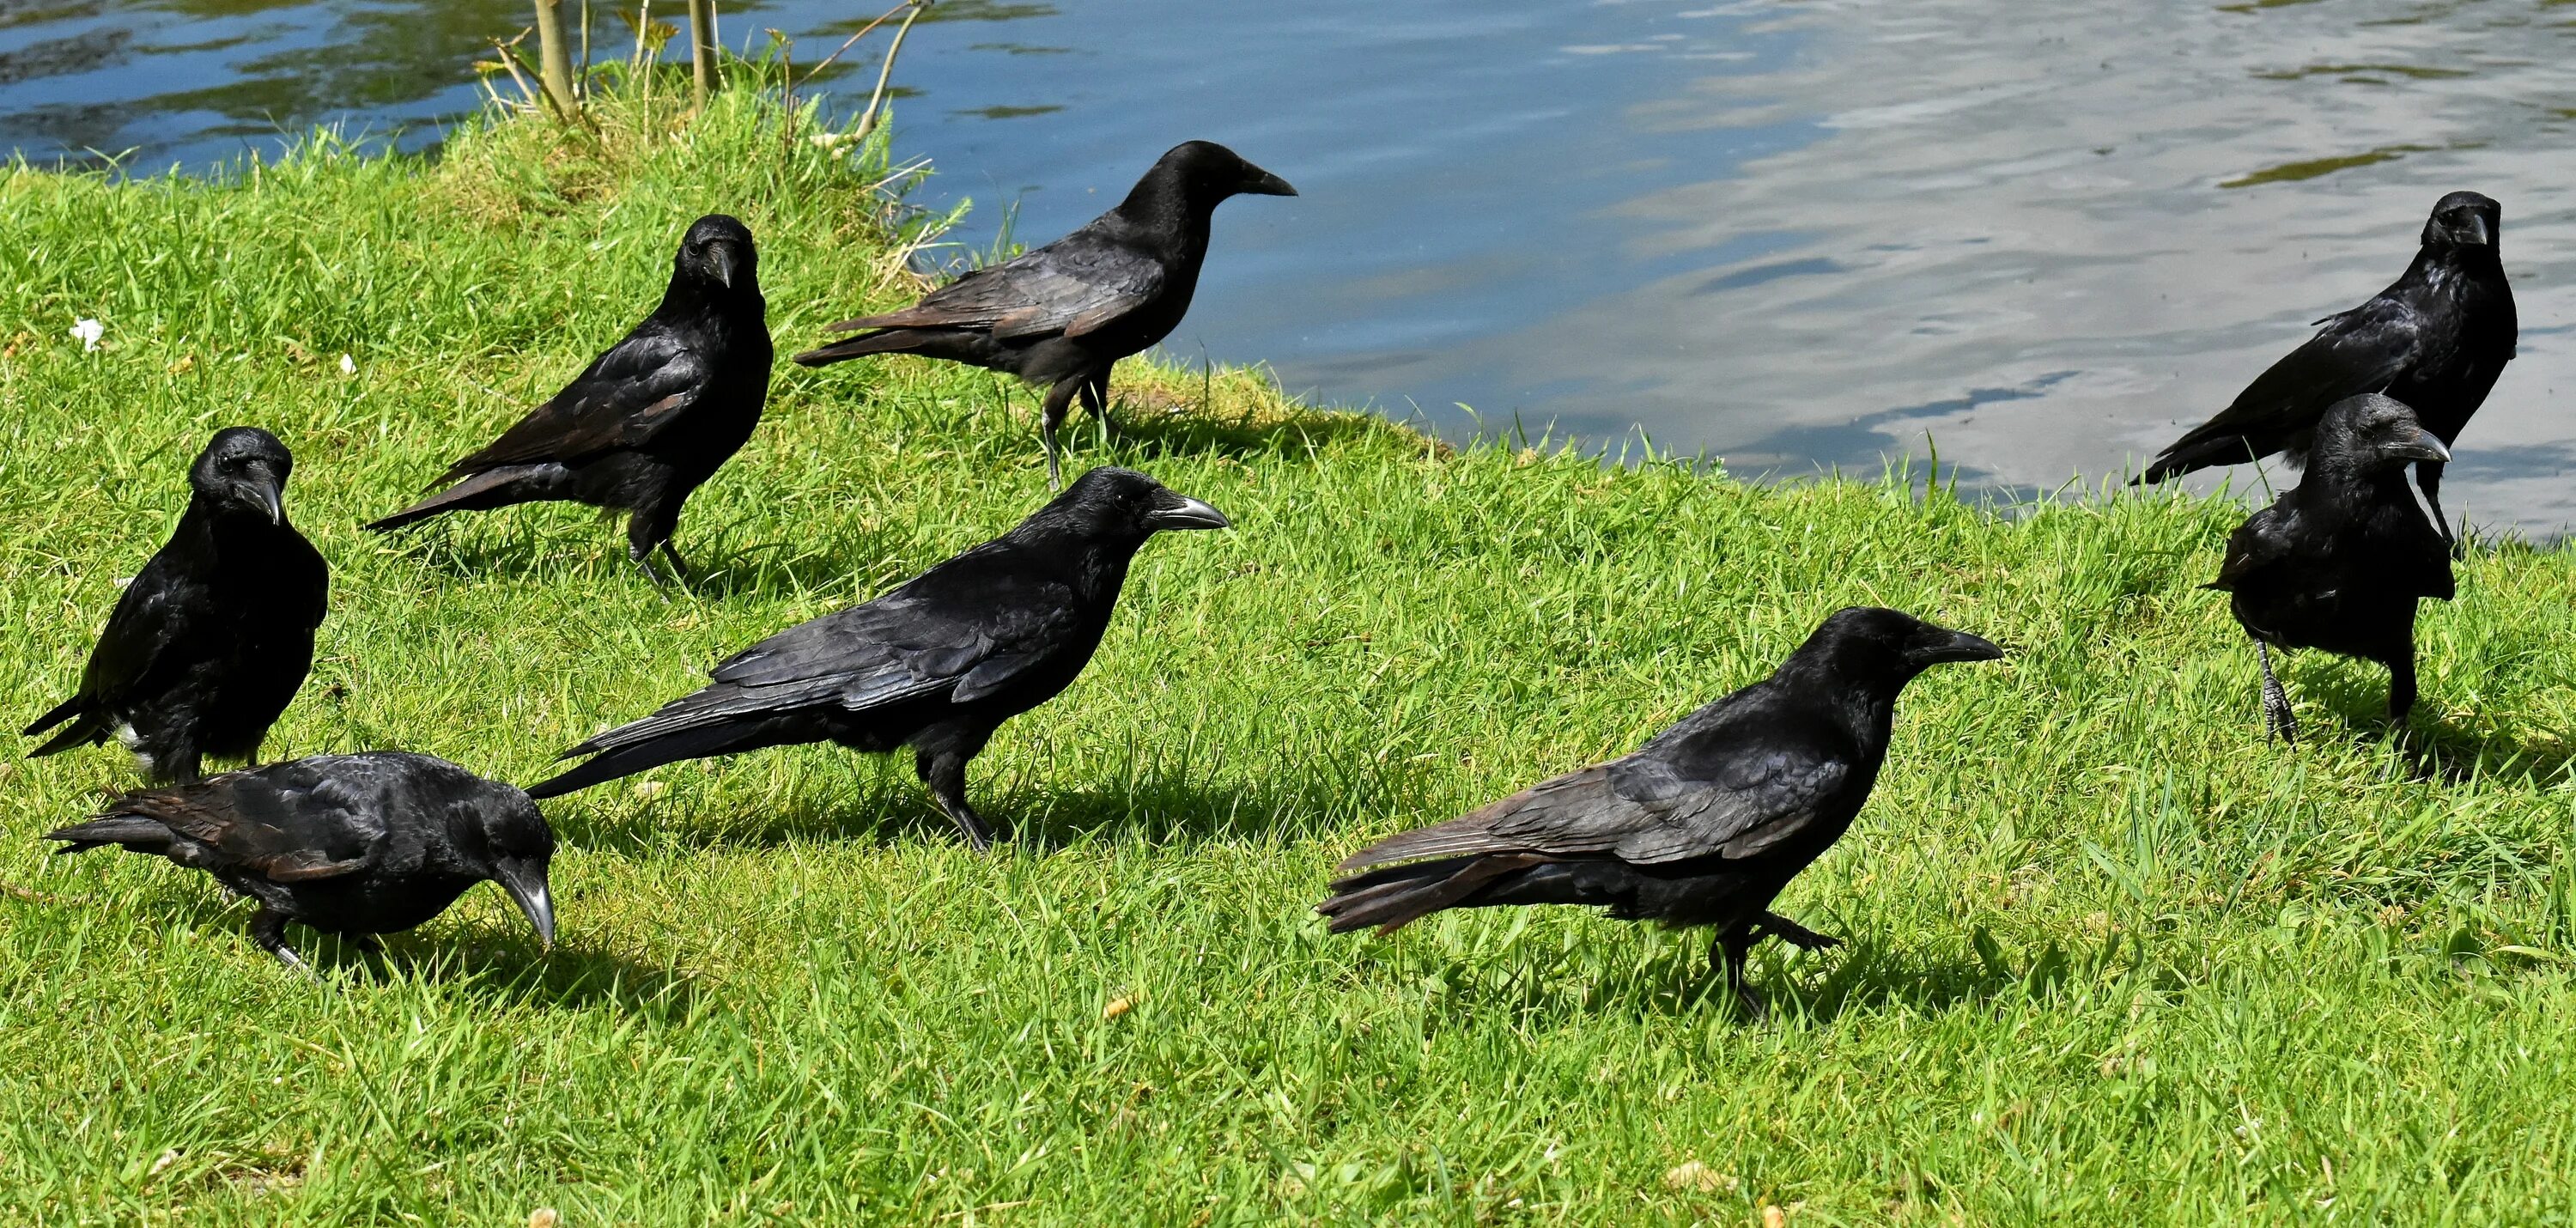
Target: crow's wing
{"points": [[1077, 285], [2266, 538], [1643, 809], [286, 823], [2361, 350], [963, 631], [626, 396]]}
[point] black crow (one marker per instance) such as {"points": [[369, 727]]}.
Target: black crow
{"points": [[648, 420], [350, 844], [2338, 562], [1063, 314], [1702, 826], [215, 634], [2435, 340], [937, 664]]}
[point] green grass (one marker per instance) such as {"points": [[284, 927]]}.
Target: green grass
{"points": [[2113, 958]]}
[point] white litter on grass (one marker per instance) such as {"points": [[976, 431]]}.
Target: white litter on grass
{"points": [[88, 332], [348, 365]]}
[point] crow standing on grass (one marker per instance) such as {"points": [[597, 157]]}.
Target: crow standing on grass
{"points": [[1064, 314], [2435, 340], [2339, 561], [215, 634], [1702, 826], [350, 844], [937, 664], [648, 420]]}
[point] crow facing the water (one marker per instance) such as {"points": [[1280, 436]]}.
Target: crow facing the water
{"points": [[1062, 315], [936, 664], [2339, 561], [212, 639], [650, 419], [1702, 826], [2436, 340], [355, 845]]}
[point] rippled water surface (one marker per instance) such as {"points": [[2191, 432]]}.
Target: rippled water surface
{"points": [[2044, 236]]}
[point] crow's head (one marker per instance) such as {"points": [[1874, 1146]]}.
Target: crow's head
{"points": [[1203, 174], [2371, 433], [716, 256], [1114, 504], [498, 833], [243, 472], [1889, 647], [2464, 219]]}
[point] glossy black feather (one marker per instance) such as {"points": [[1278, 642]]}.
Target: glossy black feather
{"points": [[214, 635], [936, 664], [1702, 826], [350, 844], [2436, 339], [2339, 561], [650, 419]]}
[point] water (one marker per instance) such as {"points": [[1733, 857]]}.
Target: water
{"points": [[2045, 237]]}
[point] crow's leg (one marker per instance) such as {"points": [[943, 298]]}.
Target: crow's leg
{"points": [[671, 555], [2276, 700], [2401, 686], [643, 560], [1059, 400], [943, 772], [268, 929], [1726, 955], [1772, 924], [1095, 397]]}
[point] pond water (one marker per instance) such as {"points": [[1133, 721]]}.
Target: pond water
{"points": [[2042, 237]]}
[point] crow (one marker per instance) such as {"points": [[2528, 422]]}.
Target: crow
{"points": [[2435, 340], [1702, 826], [1064, 314], [213, 637], [937, 664], [2338, 561], [350, 844], [648, 420]]}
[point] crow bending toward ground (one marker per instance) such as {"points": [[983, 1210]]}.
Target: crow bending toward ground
{"points": [[2435, 340], [350, 844], [1065, 313], [647, 421], [1702, 826], [2338, 562], [937, 664], [212, 639]]}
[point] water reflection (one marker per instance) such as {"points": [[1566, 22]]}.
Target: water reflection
{"points": [[1790, 234]]}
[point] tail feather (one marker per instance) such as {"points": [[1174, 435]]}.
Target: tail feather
{"points": [[888, 341], [2194, 452], [626, 758], [479, 492], [133, 831], [1396, 896]]}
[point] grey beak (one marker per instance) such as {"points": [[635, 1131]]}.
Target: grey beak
{"points": [[722, 257], [2478, 227], [1270, 185], [1965, 647], [532, 899], [2421, 446], [267, 497], [1189, 514]]}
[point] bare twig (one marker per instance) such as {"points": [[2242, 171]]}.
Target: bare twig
{"points": [[582, 85], [509, 53], [852, 40], [868, 120]]}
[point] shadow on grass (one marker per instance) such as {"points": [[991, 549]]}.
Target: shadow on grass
{"points": [[2436, 750]]}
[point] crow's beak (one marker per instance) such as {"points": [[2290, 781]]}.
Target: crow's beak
{"points": [[1267, 184], [721, 256], [2478, 230], [2419, 445], [1961, 646], [1189, 513], [528, 887], [264, 493]]}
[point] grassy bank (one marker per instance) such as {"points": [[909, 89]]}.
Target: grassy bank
{"points": [[2113, 958]]}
